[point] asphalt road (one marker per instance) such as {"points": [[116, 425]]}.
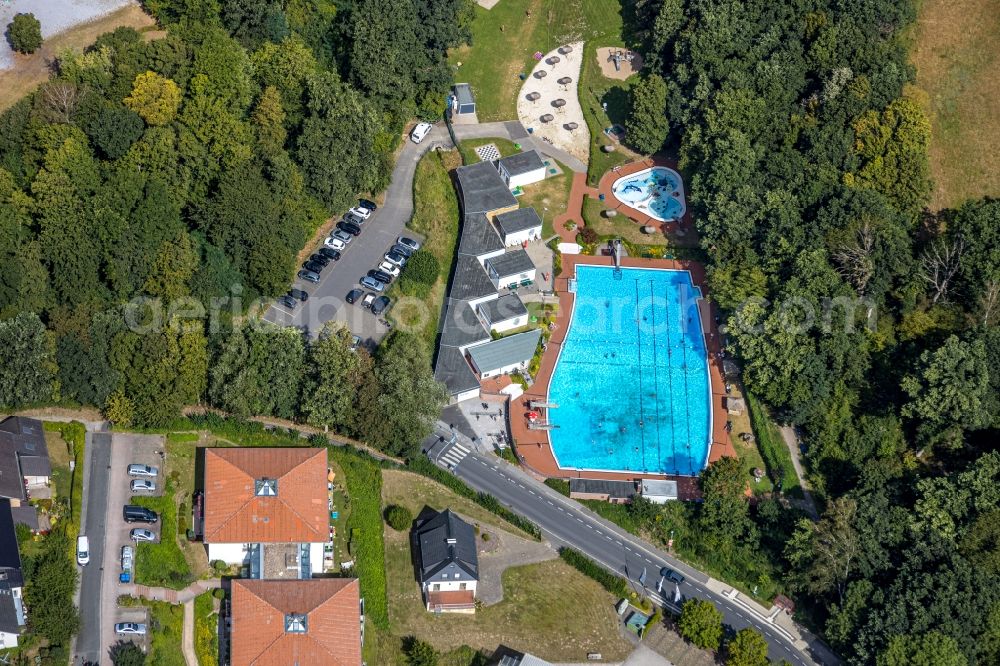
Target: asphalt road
{"points": [[326, 299], [88, 641], [565, 521]]}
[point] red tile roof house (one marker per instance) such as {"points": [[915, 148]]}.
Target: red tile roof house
{"points": [[267, 508], [315, 622]]}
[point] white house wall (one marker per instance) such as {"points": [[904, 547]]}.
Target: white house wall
{"points": [[449, 585], [8, 640], [527, 178], [316, 558], [519, 237], [505, 370], [510, 324]]}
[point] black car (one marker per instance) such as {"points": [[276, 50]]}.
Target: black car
{"points": [[329, 253], [319, 259], [671, 575], [402, 249], [349, 227], [354, 219], [381, 276], [380, 304], [133, 513], [288, 301], [308, 275], [299, 294], [365, 203], [314, 266], [353, 295]]}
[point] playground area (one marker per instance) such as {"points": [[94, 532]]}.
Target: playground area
{"points": [[618, 63], [548, 105]]}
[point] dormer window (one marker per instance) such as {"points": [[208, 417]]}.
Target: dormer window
{"points": [[265, 487], [296, 623]]}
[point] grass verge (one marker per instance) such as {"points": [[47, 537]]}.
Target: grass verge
{"points": [[549, 198], [468, 148], [775, 454], [167, 631], [594, 90], [69, 445], [206, 630], [162, 564], [956, 50], [435, 217]]}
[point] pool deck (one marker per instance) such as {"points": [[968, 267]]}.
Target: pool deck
{"points": [[533, 446]]}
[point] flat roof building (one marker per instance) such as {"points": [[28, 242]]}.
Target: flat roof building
{"points": [[506, 354]]}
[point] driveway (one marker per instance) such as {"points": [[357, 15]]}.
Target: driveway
{"points": [[94, 519], [326, 299], [128, 448]]}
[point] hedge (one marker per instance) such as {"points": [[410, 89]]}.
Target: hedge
{"points": [[206, 630], [363, 479], [609, 581], [424, 466]]}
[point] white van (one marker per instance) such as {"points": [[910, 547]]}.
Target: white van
{"points": [[82, 551], [419, 132]]}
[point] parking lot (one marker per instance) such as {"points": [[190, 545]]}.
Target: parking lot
{"points": [[126, 449], [326, 299]]}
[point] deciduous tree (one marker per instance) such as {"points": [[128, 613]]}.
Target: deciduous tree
{"points": [[155, 98], [701, 623], [747, 648], [24, 33], [647, 126]]}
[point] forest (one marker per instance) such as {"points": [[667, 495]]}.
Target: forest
{"points": [[189, 170], [856, 313]]}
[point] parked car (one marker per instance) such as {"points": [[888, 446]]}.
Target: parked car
{"points": [[319, 258], [349, 227], [334, 243], [353, 295], [671, 575], [408, 242], [381, 276], [82, 551], [367, 204], [298, 294], [372, 283], [380, 305], [340, 234], [331, 254], [354, 218], [420, 132], [395, 258], [360, 211], [391, 269], [367, 303], [142, 534], [309, 276], [402, 249], [287, 301], [133, 513], [135, 469], [355, 342], [143, 485], [130, 629], [314, 266], [128, 557]]}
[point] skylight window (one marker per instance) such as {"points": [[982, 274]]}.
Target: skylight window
{"points": [[266, 487], [296, 623]]}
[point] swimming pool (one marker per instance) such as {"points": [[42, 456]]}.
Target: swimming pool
{"points": [[631, 380], [657, 192]]}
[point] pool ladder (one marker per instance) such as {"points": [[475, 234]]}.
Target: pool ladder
{"points": [[615, 245]]}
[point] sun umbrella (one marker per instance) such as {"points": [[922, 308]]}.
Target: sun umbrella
{"points": [[571, 126], [541, 74], [558, 102], [564, 80], [565, 49], [534, 96], [553, 60], [547, 118]]}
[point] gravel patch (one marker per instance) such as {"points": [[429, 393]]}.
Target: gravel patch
{"points": [[54, 15], [576, 142]]}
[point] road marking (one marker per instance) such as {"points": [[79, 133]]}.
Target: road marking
{"points": [[550, 502]]}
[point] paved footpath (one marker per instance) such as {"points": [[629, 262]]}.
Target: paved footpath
{"points": [[190, 656], [171, 596]]}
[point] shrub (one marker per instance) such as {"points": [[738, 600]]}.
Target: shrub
{"points": [[423, 267], [24, 33], [610, 582], [486, 536], [398, 517], [419, 653], [206, 630], [127, 653], [589, 236], [561, 486], [219, 593]]}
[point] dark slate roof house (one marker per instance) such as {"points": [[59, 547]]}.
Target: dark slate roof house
{"points": [[12, 618], [447, 548], [482, 189], [25, 439], [479, 238], [515, 221]]}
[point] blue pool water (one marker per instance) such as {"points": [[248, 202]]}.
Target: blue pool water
{"points": [[631, 381], [657, 192]]}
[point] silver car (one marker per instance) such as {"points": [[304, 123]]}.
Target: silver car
{"points": [[143, 485], [135, 469], [130, 629], [141, 534]]}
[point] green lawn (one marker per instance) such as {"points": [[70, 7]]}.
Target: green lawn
{"points": [[550, 198], [505, 38], [206, 630], [162, 564], [435, 217], [468, 148], [167, 632], [594, 90], [774, 452], [66, 442]]}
